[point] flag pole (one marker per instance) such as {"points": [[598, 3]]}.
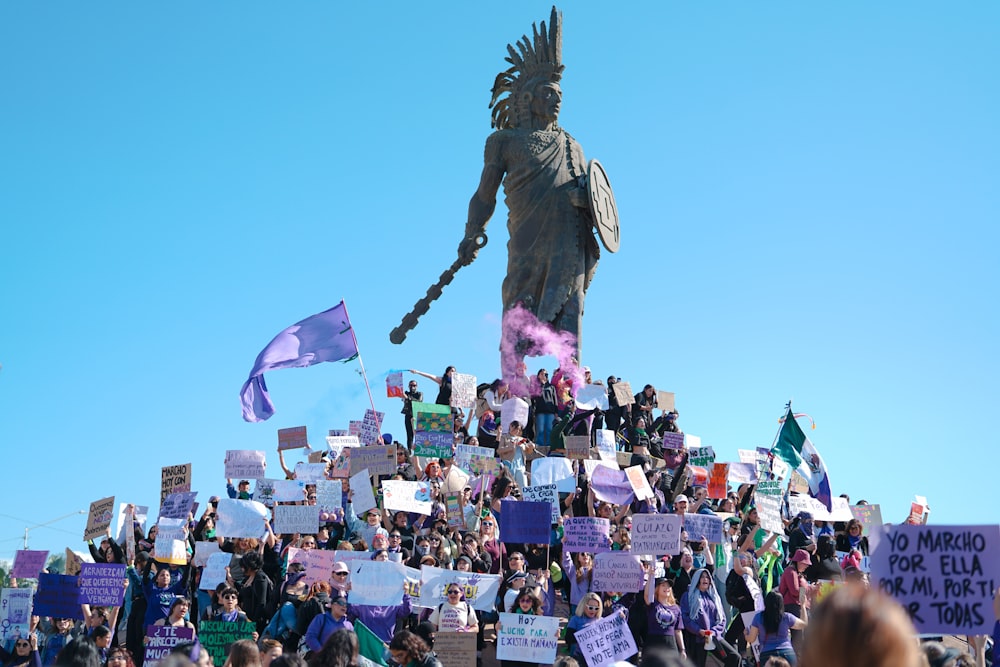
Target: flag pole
{"points": [[364, 375]]}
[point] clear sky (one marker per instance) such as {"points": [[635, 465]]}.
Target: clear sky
{"points": [[808, 195]]}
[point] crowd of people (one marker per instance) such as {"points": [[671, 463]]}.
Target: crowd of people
{"points": [[752, 598]]}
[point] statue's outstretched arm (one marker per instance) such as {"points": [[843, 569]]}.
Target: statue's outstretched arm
{"points": [[482, 205]]}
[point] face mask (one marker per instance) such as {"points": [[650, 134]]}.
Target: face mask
{"points": [[423, 549]]}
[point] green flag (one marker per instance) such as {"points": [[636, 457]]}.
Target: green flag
{"points": [[790, 441], [369, 645]]}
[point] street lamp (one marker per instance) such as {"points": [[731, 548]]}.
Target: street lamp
{"points": [[39, 525]]}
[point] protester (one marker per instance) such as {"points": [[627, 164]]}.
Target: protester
{"points": [[410, 650], [774, 626]]}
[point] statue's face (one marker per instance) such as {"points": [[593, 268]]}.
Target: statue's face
{"points": [[545, 101]]}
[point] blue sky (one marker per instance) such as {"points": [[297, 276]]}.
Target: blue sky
{"points": [[808, 198]]}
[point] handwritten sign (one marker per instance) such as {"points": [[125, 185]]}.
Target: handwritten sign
{"points": [[290, 519], [455, 649], [526, 521], [526, 638], [742, 473], [363, 499], [656, 534], [607, 447], [292, 438], [586, 534], [623, 393], [611, 486], [869, 516], [377, 459], [412, 497], [202, 550], [319, 562], [28, 563], [177, 505], [592, 396], [718, 479], [160, 639], [394, 385], [701, 456], [617, 571], [57, 596], [245, 464], [665, 400], [338, 443], [480, 589], [607, 641], [309, 472], [577, 447], [329, 498], [371, 427], [944, 576], [513, 409], [463, 390], [433, 445], [217, 636], [215, 570], [454, 511], [673, 440], [376, 583], [476, 460], [99, 518], [102, 584], [547, 493], [15, 612], [767, 500], [637, 479], [703, 526], [174, 479], [239, 518]]}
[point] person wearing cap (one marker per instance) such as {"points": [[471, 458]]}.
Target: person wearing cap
{"points": [[802, 537], [794, 588], [681, 505], [664, 626], [332, 619], [939, 655], [244, 490]]}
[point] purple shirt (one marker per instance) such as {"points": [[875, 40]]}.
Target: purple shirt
{"points": [[663, 620]]}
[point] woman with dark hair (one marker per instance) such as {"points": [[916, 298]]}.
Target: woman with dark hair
{"points": [[256, 591], [774, 626], [826, 566], [324, 625], [852, 540], [25, 653], [179, 608], [339, 650], [79, 653], [528, 604], [443, 382], [409, 649], [119, 656]]}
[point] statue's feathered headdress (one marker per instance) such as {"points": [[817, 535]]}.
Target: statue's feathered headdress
{"points": [[534, 59]]}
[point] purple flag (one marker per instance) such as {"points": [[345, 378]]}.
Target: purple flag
{"points": [[323, 337]]}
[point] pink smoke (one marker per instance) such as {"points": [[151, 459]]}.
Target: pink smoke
{"points": [[524, 335]]}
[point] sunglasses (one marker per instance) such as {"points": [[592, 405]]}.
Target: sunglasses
{"points": [[229, 595], [488, 523], [341, 574], [454, 592], [592, 608], [20, 644]]}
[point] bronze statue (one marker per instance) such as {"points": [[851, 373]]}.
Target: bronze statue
{"points": [[554, 199]]}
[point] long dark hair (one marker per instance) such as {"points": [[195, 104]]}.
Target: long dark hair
{"points": [[774, 611], [414, 645], [340, 650]]}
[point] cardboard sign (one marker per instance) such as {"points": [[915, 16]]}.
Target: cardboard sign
{"points": [[177, 505], [463, 390], [656, 534], [455, 649], [607, 446], [403, 496], [637, 479], [702, 457], [526, 638], [15, 612], [617, 571], [577, 446], [433, 445], [28, 563], [394, 385], [665, 400], [623, 393], [591, 396], [454, 511], [99, 518], [377, 459], [526, 521], [239, 518], [703, 526], [57, 596], [363, 499], [376, 583], [303, 519], [102, 584], [547, 493], [371, 427], [476, 460], [292, 438], [174, 479], [245, 464], [513, 409], [767, 500], [607, 641], [432, 418], [869, 516], [944, 576], [217, 636], [480, 589], [586, 534], [718, 480], [160, 639]]}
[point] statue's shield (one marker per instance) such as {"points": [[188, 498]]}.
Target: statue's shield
{"points": [[602, 206]]}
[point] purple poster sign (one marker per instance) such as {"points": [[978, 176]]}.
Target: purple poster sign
{"points": [[526, 521], [102, 584], [944, 576], [611, 486], [586, 534], [27, 563], [161, 638], [57, 596]]}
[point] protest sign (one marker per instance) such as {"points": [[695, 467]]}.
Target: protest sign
{"points": [[434, 445], [577, 446], [463, 390], [476, 460], [160, 639], [513, 409], [617, 571], [245, 464], [607, 641], [202, 550], [742, 473], [412, 586], [455, 649], [611, 486], [319, 562], [767, 500], [526, 521], [337, 432], [215, 570], [217, 636], [309, 472], [57, 596], [665, 400], [586, 534], [290, 519], [527, 638], [403, 496], [546, 493], [394, 385], [673, 440], [363, 498], [341, 466], [432, 417], [139, 517], [15, 612], [656, 534], [74, 560], [747, 456], [177, 505], [623, 393], [454, 511], [692, 441], [239, 518], [292, 438], [102, 584], [455, 480], [99, 518], [174, 479], [554, 470], [944, 576], [637, 480], [371, 427], [329, 498], [290, 490], [703, 457], [592, 396], [315, 457], [377, 459], [171, 551], [376, 583], [480, 589], [28, 563], [718, 478], [869, 516], [263, 491], [606, 446], [703, 526], [354, 428], [803, 503], [338, 443]]}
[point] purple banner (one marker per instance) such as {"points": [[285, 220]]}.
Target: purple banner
{"points": [[161, 638], [586, 534], [27, 563], [102, 584], [611, 486], [525, 522], [57, 597], [944, 576]]}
